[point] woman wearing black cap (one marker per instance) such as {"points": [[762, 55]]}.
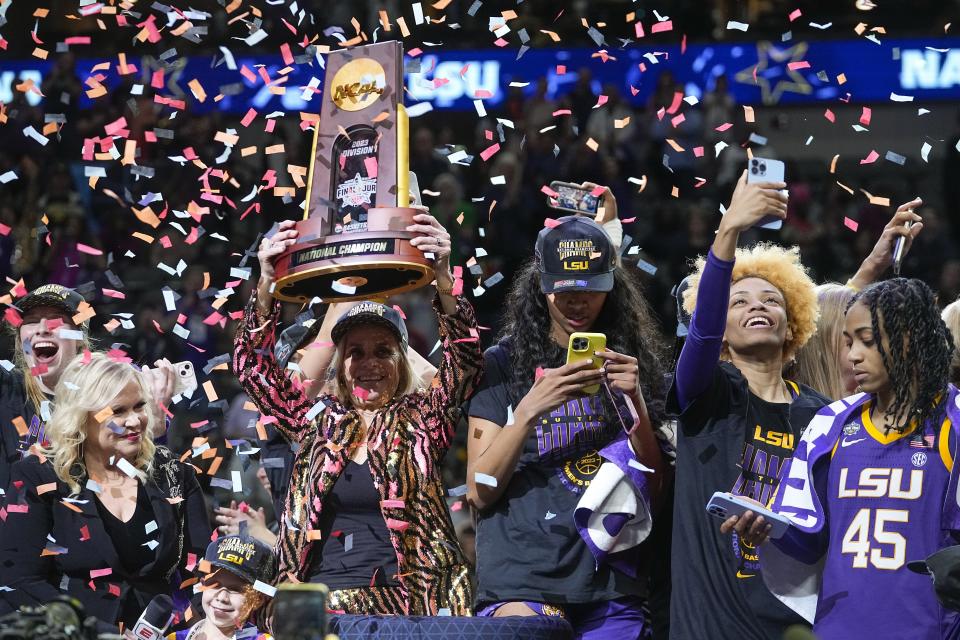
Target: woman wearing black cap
{"points": [[539, 440], [365, 513]]}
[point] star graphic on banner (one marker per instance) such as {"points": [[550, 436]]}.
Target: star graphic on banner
{"points": [[772, 58]]}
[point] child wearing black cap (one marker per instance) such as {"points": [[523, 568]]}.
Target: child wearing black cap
{"points": [[240, 570]]}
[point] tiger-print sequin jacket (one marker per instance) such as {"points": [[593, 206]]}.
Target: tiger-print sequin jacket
{"points": [[406, 444]]}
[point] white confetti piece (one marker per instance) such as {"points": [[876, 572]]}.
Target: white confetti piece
{"points": [[895, 97], [925, 151], [6, 364], [481, 110], [458, 491], [9, 176], [69, 334], [738, 26], [124, 465], [30, 132], [483, 478], [419, 109], [550, 515], [458, 157], [343, 288], [150, 527], [151, 544], [509, 415], [237, 481], [347, 542], [265, 588]]}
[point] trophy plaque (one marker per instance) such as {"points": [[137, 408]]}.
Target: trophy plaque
{"points": [[353, 243]]}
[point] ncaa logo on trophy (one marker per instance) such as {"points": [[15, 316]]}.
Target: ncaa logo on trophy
{"points": [[352, 243]]}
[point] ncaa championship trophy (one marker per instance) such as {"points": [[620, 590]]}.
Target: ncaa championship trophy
{"points": [[353, 244]]}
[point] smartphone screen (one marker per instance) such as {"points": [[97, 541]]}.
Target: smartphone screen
{"points": [[572, 198]]}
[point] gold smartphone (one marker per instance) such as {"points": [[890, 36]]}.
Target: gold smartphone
{"points": [[583, 346]]}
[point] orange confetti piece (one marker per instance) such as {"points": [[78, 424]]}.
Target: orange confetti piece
{"points": [[197, 90], [20, 425]]}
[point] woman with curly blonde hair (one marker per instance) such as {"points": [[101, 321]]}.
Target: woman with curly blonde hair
{"points": [[101, 513], [739, 420]]}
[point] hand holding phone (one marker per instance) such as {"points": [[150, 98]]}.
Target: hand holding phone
{"points": [[754, 202], [584, 346], [722, 505]]}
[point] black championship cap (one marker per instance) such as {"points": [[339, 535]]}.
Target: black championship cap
{"points": [[244, 556], [52, 295], [368, 312], [292, 338], [575, 255], [944, 566]]}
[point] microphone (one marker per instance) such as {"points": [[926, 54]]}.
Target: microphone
{"points": [[155, 619]]}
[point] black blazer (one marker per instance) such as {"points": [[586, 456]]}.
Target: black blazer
{"points": [[179, 511]]}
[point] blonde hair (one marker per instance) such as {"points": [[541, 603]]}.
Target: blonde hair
{"points": [[782, 268], [86, 387], [34, 393], [951, 318], [818, 362], [337, 379]]}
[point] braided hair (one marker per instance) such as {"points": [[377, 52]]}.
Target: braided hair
{"points": [[920, 346], [625, 319]]}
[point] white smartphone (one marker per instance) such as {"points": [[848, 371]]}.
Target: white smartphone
{"points": [[723, 505], [767, 170], [186, 380]]}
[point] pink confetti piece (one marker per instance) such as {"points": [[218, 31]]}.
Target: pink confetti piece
{"points": [[550, 223], [538, 374], [99, 573], [546, 190], [865, 116], [11, 316], [638, 29], [371, 165], [724, 126], [698, 152], [829, 115], [562, 112], [871, 157], [489, 151], [248, 118], [675, 104], [561, 69], [798, 64], [660, 27], [853, 225], [397, 525], [598, 191], [82, 248], [795, 14], [361, 393]]}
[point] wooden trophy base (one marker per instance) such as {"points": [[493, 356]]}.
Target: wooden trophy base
{"points": [[358, 265]]}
